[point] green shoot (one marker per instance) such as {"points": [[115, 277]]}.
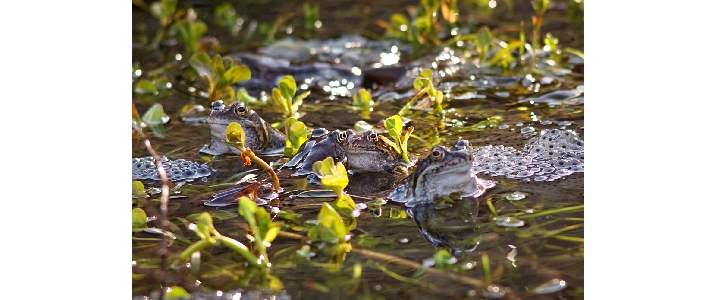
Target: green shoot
{"points": [[296, 133], [394, 127], [311, 18], [424, 83], [362, 99], [283, 97], [442, 259], [219, 74], [226, 16], [540, 7], [209, 236], [235, 136], [190, 31]]}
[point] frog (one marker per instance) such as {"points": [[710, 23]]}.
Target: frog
{"points": [[443, 172], [323, 144], [369, 153], [260, 137]]}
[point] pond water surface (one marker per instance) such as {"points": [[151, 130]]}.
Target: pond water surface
{"points": [[532, 247]]}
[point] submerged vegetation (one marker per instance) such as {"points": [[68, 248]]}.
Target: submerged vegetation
{"points": [[463, 76]]}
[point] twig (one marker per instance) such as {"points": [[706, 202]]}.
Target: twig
{"points": [[164, 198]]}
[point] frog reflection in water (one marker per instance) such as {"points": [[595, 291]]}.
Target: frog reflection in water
{"points": [[454, 227], [442, 173], [261, 137]]}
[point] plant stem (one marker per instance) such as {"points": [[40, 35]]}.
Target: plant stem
{"points": [[275, 180], [412, 102]]}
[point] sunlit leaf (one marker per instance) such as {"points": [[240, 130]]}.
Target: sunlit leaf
{"points": [[235, 133], [203, 65], [394, 126], [297, 133], [362, 98], [442, 259], [233, 75], [330, 228], [176, 292], [279, 99], [138, 189], [218, 68], [145, 87], [155, 115], [139, 218], [288, 86], [243, 96]]}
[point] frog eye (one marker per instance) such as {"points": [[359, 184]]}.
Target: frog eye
{"points": [[436, 153], [342, 137], [240, 109], [373, 137]]}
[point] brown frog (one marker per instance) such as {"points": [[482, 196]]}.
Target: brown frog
{"points": [[368, 153], [441, 173], [261, 137]]}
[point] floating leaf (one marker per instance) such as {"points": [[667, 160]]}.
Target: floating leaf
{"points": [[362, 98], [139, 218], [334, 176]]}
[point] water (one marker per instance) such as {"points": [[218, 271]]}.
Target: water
{"points": [[547, 246]]}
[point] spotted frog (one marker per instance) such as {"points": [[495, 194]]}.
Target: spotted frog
{"points": [[261, 137], [441, 173]]}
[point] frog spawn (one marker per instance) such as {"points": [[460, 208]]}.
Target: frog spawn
{"points": [[555, 153], [177, 170]]}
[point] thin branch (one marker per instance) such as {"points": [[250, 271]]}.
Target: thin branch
{"points": [[164, 198]]}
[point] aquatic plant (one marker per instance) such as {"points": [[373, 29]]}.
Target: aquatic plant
{"points": [[540, 7], [190, 31], [424, 83], [226, 16], [263, 231], [311, 19], [296, 133], [362, 99], [219, 73], [394, 127], [235, 136], [336, 220], [283, 96]]}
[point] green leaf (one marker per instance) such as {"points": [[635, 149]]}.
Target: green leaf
{"points": [[330, 228], [334, 176], [288, 86], [279, 99], [393, 126], [243, 96], [234, 74], [539, 6], [145, 87], [138, 188], [218, 68], [362, 98], [235, 133], [443, 259], [297, 134], [139, 218], [203, 65], [155, 115], [176, 292], [247, 208]]}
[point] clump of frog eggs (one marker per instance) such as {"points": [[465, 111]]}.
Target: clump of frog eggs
{"points": [[555, 153], [177, 170]]}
